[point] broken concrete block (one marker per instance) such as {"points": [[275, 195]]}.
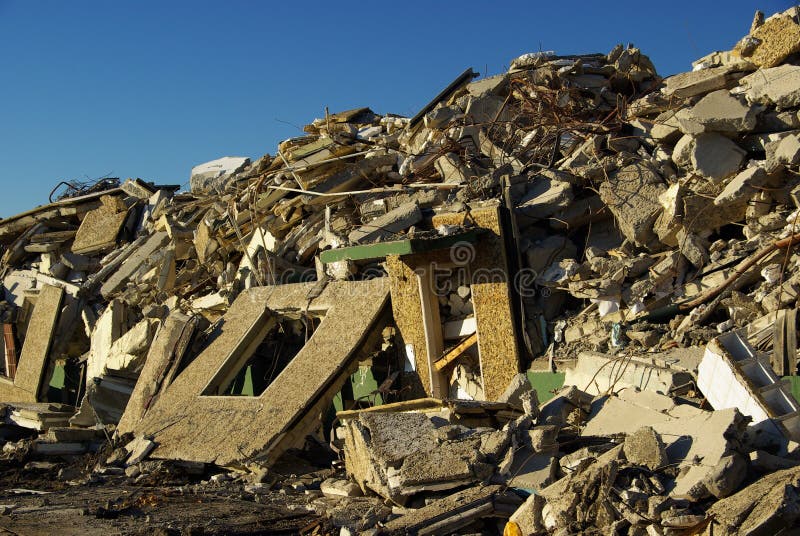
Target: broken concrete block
{"points": [[570, 406], [388, 226], [399, 454], [533, 470], [512, 395], [727, 476], [447, 515], [682, 152], [712, 435], [767, 506], [545, 197], [742, 187], [558, 503], [778, 85], [131, 264], [698, 82], [204, 177], [719, 111], [340, 487], [451, 169], [784, 152], [716, 157], [644, 447], [127, 353], [632, 196], [104, 402], [108, 328], [138, 450]]}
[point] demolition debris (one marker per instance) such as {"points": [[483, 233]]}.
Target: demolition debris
{"points": [[558, 300]]}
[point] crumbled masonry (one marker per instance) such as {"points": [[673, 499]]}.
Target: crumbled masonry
{"points": [[559, 300]]}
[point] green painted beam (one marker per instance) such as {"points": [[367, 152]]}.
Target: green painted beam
{"points": [[396, 247]]}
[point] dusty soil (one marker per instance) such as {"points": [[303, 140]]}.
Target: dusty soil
{"points": [[65, 496]]}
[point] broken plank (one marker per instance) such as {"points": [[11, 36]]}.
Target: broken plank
{"points": [[453, 354]]}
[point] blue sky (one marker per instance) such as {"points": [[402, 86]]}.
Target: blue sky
{"points": [[151, 88]]}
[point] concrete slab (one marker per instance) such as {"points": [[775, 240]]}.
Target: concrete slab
{"points": [[716, 157], [718, 111], [597, 373], [701, 435], [100, 227], [694, 83], [399, 454], [387, 226], [779, 86], [768, 506], [32, 364]]}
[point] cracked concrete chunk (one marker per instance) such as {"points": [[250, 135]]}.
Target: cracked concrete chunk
{"points": [[397, 454], [719, 111], [632, 196], [689, 435], [742, 187], [545, 197], [784, 152], [766, 506], [779, 86], [716, 157], [698, 82], [100, 227]]}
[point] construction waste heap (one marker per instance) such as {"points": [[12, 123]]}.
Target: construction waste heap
{"points": [[558, 300]]}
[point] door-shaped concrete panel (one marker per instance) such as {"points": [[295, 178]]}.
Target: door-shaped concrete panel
{"points": [[234, 430]]}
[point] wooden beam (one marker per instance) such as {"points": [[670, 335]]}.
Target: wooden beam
{"points": [[450, 356]]}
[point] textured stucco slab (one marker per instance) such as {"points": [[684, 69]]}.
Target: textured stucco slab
{"points": [[38, 339], [231, 430], [100, 227]]}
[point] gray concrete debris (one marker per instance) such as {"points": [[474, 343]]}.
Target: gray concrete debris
{"points": [[718, 111], [779, 86], [716, 157]]}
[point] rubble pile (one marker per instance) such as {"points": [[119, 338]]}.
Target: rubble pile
{"points": [[572, 286]]}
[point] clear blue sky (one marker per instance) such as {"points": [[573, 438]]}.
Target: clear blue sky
{"points": [[151, 88]]}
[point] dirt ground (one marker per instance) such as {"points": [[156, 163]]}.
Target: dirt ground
{"points": [[70, 497]]}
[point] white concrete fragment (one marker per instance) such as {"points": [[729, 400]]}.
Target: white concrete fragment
{"points": [[204, 175], [733, 375]]}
